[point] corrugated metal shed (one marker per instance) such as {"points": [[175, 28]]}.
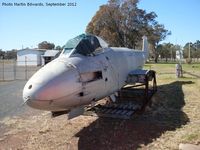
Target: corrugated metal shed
{"points": [[30, 57], [35, 57], [51, 53]]}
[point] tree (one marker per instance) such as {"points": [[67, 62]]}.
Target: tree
{"points": [[11, 54], [58, 48], [194, 49], [197, 49], [46, 45], [167, 50], [122, 23], [2, 54], [163, 50], [156, 34]]}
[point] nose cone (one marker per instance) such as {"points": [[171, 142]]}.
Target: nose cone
{"points": [[52, 82]]}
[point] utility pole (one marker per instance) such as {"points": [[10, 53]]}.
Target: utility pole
{"points": [[3, 67], [171, 54]]}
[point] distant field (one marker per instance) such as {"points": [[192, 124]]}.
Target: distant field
{"points": [[190, 71]]}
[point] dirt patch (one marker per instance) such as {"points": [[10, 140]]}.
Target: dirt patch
{"points": [[42, 132]]}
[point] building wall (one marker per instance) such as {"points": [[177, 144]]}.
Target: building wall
{"points": [[29, 57]]}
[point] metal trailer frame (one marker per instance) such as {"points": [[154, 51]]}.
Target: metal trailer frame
{"points": [[142, 85], [131, 99]]}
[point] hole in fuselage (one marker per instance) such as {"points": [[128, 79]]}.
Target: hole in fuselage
{"points": [[91, 76], [81, 94], [106, 79], [30, 86]]}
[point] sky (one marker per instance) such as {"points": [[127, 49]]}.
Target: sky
{"points": [[26, 26]]}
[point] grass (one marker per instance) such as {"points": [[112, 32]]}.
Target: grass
{"points": [[177, 101], [7, 61], [191, 137]]}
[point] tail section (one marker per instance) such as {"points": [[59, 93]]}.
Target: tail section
{"points": [[145, 47]]}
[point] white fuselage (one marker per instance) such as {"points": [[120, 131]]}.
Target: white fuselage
{"points": [[71, 81]]}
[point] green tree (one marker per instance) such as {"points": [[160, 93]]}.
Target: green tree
{"points": [[122, 23], [167, 50], [11, 54], [2, 54], [46, 45], [194, 49], [58, 48], [197, 49], [157, 33]]}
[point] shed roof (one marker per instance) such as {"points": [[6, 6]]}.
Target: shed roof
{"points": [[39, 50], [50, 53], [29, 51]]}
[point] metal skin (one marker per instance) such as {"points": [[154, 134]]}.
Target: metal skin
{"points": [[71, 81]]}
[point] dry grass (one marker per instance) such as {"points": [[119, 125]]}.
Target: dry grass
{"points": [[173, 118], [180, 102]]}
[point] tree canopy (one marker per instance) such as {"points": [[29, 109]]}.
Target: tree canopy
{"points": [[2, 53], [167, 51], [12, 54], [58, 48], [122, 23], [46, 45], [194, 49]]}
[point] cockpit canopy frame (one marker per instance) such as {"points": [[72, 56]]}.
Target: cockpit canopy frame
{"points": [[85, 44]]}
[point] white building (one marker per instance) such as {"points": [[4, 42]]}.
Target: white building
{"points": [[35, 57]]}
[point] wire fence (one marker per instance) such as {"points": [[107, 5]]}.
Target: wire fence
{"points": [[173, 60], [11, 70], [23, 70]]}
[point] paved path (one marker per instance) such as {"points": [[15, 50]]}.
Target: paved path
{"points": [[11, 102]]}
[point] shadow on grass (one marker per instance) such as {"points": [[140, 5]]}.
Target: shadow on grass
{"points": [[165, 114]]}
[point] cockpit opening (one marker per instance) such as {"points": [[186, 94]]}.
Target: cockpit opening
{"points": [[85, 44]]}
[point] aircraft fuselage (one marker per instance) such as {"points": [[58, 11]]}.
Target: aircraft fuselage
{"points": [[71, 81]]}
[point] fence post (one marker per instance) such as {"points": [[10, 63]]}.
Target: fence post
{"points": [[3, 68], [14, 69], [26, 68]]}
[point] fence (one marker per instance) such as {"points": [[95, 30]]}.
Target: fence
{"points": [[172, 60], [9, 70]]}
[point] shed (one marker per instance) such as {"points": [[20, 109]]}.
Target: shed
{"points": [[49, 55], [30, 57]]}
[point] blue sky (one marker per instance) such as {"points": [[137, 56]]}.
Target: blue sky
{"points": [[28, 26], [181, 17]]}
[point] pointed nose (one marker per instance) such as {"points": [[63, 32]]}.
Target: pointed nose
{"points": [[31, 91], [51, 83]]}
